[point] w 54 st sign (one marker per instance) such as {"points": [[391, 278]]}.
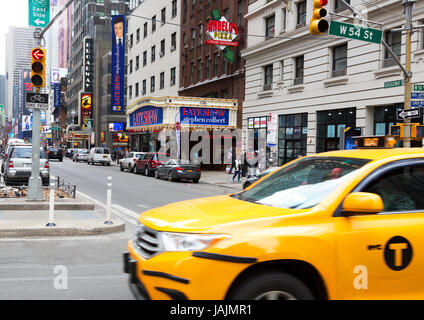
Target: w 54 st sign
{"points": [[351, 31]]}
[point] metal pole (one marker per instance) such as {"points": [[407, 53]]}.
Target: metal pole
{"points": [[51, 206], [35, 191], [109, 201], [407, 99]]}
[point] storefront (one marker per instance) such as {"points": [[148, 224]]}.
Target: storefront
{"points": [[292, 136], [147, 117]]}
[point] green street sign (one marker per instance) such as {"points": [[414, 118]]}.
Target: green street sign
{"points": [[351, 31], [1, 109], [392, 84], [418, 87], [38, 13]]}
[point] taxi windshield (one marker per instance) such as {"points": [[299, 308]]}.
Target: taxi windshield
{"points": [[303, 184]]}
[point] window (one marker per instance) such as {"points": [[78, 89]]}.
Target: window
{"points": [[153, 53], [163, 16], [130, 92], [131, 40], [136, 89], [199, 70], [138, 35], [162, 80], [173, 41], [299, 61], [131, 66], [144, 58], [339, 60], [301, 14], [152, 84], [283, 19], [153, 23], [226, 13], [215, 64], [394, 40], [208, 68], [162, 48], [340, 6], [224, 65], [292, 137], [281, 70], [145, 30], [240, 12], [200, 42], [193, 5], [193, 38], [137, 63], [174, 8], [270, 27], [144, 86], [173, 76], [268, 77], [399, 188], [192, 72]]}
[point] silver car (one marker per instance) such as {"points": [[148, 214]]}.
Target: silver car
{"points": [[129, 161], [80, 155], [18, 166]]}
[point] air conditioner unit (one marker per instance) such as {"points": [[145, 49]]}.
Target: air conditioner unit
{"points": [[161, 54], [172, 48], [172, 82]]}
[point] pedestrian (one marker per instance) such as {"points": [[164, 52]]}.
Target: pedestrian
{"points": [[237, 169], [244, 166], [233, 160]]}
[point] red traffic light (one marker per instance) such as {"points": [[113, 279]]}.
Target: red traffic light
{"points": [[37, 54]]}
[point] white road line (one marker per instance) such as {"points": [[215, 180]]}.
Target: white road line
{"points": [[70, 278], [144, 206], [128, 212]]}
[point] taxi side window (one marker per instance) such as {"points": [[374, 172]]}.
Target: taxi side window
{"points": [[400, 188]]}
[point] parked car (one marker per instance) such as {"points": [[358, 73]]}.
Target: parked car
{"points": [[80, 155], [55, 153], [19, 164], [174, 170], [129, 161], [99, 155], [253, 179], [148, 163], [7, 151]]}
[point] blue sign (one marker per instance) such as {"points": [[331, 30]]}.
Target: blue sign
{"points": [[118, 127], [146, 116], [118, 63], [419, 103], [56, 100], [417, 95], [204, 116]]}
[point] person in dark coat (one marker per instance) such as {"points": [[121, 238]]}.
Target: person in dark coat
{"points": [[233, 160], [244, 166]]}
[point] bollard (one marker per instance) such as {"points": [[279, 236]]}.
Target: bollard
{"points": [[51, 206], [109, 201]]}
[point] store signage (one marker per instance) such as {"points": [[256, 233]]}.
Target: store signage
{"points": [[88, 61], [114, 127], [86, 106], [222, 33], [120, 137], [146, 116], [272, 133], [204, 116], [57, 93]]}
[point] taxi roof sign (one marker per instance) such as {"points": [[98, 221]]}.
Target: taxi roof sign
{"points": [[375, 142]]}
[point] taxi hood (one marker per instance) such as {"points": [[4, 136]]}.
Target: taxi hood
{"points": [[212, 214]]}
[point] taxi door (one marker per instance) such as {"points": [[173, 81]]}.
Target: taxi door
{"points": [[381, 256]]}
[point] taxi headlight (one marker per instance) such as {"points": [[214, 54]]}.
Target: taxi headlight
{"points": [[189, 242]]}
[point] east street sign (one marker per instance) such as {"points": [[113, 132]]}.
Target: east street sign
{"points": [[351, 31], [407, 114], [38, 13]]}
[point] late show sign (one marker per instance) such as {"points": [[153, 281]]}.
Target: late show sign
{"points": [[146, 116]]}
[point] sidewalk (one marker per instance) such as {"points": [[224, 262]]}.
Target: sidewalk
{"points": [[19, 220], [222, 179]]}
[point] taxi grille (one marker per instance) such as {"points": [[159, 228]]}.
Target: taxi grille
{"points": [[147, 242]]}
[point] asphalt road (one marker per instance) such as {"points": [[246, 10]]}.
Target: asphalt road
{"points": [[87, 268]]}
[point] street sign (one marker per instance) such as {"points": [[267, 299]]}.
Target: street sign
{"points": [[351, 31], [419, 87], [39, 13], [392, 84], [417, 95], [419, 103], [38, 101], [407, 114]]}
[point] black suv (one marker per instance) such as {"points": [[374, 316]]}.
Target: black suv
{"points": [[55, 153]]}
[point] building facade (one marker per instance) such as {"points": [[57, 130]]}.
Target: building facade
{"points": [[209, 70], [303, 89]]}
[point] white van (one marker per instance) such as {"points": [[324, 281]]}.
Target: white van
{"points": [[99, 155]]}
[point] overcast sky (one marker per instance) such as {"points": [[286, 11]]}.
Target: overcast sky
{"points": [[13, 13]]}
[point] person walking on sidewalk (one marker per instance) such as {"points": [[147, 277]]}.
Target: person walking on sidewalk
{"points": [[237, 169], [233, 160]]}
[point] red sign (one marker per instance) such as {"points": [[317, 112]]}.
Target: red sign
{"points": [[37, 54]]}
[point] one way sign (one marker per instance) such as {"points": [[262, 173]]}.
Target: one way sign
{"points": [[406, 114]]}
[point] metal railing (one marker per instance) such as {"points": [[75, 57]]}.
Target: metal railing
{"points": [[66, 186]]}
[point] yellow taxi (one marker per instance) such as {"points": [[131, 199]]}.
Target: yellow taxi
{"points": [[335, 225]]}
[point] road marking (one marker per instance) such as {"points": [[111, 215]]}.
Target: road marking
{"points": [[128, 212], [70, 278], [144, 206]]}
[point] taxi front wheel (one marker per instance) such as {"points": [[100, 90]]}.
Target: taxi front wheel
{"points": [[272, 286]]}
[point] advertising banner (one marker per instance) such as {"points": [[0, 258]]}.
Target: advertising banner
{"points": [[116, 127], [57, 91], [27, 123], [57, 74], [88, 61], [205, 116], [146, 116], [118, 64], [86, 108]]}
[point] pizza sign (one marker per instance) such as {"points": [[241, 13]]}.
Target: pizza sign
{"points": [[222, 33]]}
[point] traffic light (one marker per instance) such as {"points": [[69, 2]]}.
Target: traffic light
{"points": [[318, 24], [397, 130], [419, 131], [38, 67]]}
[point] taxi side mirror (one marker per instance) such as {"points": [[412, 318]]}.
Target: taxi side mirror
{"points": [[362, 203]]}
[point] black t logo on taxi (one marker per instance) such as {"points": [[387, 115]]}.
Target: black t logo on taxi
{"points": [[398, 253]]}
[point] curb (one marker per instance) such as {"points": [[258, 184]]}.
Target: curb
{"points": [[222, 186], [46, 206]]}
